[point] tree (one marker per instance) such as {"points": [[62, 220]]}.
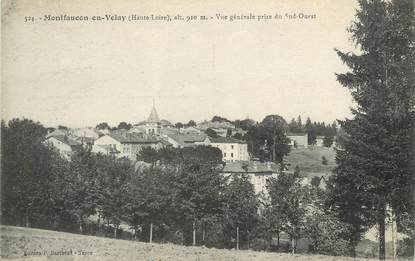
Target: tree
{"points": [[315, 181], [219, 119], [150, 200], [267, 140], [244, 124], [299, 122], [378, 150], [61, 127], [310, 129], [240, 208], [272, 220], [328, 141], [81, 192], [296, 126], [326, 233], [238, 136], [125, 126], [324, 160], [102, 126], [179, 125], [197, 185], [191, 123], [211, 133], [115, 175], [194, 185], [289, 200], [149, 155], [27, 173]]}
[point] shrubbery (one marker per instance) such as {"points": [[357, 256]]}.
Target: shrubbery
{"points": [[260, 244]]}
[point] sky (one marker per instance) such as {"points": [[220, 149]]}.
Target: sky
{"points": [[82, 73]]}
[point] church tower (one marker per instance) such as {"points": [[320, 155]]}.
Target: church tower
{"points": [[153, 124]]}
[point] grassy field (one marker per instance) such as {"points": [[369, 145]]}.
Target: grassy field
{"points": [[40, 244], [310, 160]]}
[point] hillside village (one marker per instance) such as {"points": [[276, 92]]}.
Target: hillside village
{"points": [[314, 161], [149, 188], [157, 134]]}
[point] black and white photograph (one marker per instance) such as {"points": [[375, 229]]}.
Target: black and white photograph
{"points": [[207, 130]]}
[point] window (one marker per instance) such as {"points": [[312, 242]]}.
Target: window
{"points": [[231, 146], [224, 154], [231, 155]]}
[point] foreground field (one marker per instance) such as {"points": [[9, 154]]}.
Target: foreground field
{"points": [[40, 244]]}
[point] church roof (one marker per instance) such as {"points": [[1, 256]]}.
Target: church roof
{"points": [[153, 117]]}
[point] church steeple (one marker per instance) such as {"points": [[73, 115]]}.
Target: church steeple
{"points": [[153, 117]]}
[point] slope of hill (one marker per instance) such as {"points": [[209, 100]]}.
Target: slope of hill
{"points": [[310, 160], [40, 244]]}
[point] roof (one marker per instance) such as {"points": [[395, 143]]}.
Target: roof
{"points": [[166, 123], [226, 140], [153, 117], [250, 167], [66, 140], [137, 129], [84, 132], [56, 132], [184, 139], [165, 143], [126, 137], [216, 124], [87, 140], [169, 131], [189, 130]]}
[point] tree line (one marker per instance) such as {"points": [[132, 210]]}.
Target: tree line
{"points": [[177, 195], [181, 196], [314, 129]]}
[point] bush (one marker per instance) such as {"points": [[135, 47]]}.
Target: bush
{"points": [[405, 247], [326, 233], [259, 244], [337, 247]]}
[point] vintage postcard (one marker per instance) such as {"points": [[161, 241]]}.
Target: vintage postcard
{"points": [[203, 130]]}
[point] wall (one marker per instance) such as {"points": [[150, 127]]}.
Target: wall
{"points": [[64, 149], [233, 151], [301, 141]]}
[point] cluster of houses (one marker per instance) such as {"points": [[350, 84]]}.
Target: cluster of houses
{"points": [[157, 134]]}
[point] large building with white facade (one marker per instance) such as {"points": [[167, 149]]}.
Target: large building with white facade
{"points": [[258, 172], [124, 144], [232, 149]]}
